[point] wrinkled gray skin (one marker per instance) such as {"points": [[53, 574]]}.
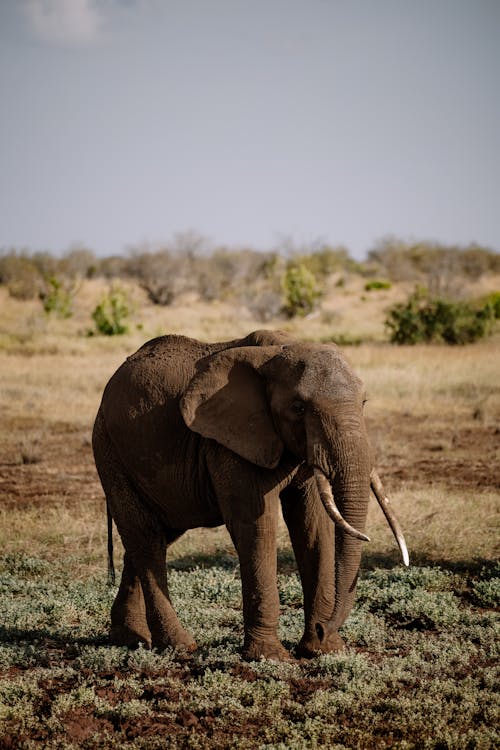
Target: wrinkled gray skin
{"points": [[191, 434]]}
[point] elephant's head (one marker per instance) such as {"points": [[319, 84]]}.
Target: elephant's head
{"points": [[303, 400]]}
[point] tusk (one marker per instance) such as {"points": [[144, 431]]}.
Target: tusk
{"points": [[383, 501], [326, 495]]}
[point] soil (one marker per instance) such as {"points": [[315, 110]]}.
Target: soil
{"points": [[417, 450], [34, 474]]}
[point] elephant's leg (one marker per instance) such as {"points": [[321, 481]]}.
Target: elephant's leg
{"points": [[166, 630], [145, 542], [253, 529], [312, 535], [129, 625]]}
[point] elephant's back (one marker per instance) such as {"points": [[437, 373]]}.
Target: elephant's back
{"points": [[165, 363], [155, 376], [140, 406]]}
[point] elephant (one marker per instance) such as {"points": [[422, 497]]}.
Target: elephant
{"points": [[190, 434]]}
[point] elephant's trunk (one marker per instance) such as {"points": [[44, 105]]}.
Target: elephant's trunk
{"points": [[340, 454], [348, 538], [352, 489]]}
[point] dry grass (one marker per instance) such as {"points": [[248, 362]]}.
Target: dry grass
{"points": [[441, 524], [432, 379]]}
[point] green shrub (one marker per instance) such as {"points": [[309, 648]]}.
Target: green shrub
{"points": [[486, 592], [424, 319], [300, 289], [111, 313], [56, 299], [493, 301], [377, 284]]}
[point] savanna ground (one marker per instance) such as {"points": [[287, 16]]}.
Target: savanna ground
{"points": [[420, 669]]}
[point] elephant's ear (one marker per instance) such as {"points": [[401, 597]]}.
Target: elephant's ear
{"points": [[226, 400]]}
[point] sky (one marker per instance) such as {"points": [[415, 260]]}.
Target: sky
{"points": [[259, 123]]}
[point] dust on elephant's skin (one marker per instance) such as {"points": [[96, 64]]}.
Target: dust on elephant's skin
{"points": [[191, 434]]}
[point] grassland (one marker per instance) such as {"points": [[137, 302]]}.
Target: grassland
{"points": [[421, 668]]}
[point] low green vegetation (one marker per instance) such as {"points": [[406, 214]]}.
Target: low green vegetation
{"points": [[111, 314], [421, 669], [300, 289], [424, 319], [493, 302], [56, 299], [377, 285]]}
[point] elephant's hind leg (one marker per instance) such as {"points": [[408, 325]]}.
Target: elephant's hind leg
{"points": [[142, 611], [129, 626]]}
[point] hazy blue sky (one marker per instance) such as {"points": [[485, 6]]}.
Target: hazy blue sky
{"points": [[124, 122]]}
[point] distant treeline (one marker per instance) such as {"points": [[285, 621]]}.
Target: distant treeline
{"points": [[254, 277]]}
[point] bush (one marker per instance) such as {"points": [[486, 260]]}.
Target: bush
{"points": [[325, 260], [300, 289], [493, 301], [377, 284], [425, 319], [437, 266], [162, 275], [56, 299], [20, 275], [111, 313], [79, 262]]}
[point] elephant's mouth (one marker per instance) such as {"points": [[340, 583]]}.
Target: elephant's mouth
{"points": [[326, 495]]}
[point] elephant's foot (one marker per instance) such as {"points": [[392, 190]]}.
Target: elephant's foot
{"points": [[177, 638], [254, 650], [310, 645], [122, 635]]}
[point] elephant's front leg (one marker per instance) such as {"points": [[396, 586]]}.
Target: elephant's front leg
{"points": [[312, 535], [252, 523]]}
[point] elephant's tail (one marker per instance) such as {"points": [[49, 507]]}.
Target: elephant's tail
{"points": [[111, 564]]}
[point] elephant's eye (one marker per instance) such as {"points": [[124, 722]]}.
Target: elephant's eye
{"points": [[298, 408]]}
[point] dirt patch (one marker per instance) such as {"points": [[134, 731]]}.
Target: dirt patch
{"points": [[63, 469], [302, 689], [79, 725], [419, 450]]}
